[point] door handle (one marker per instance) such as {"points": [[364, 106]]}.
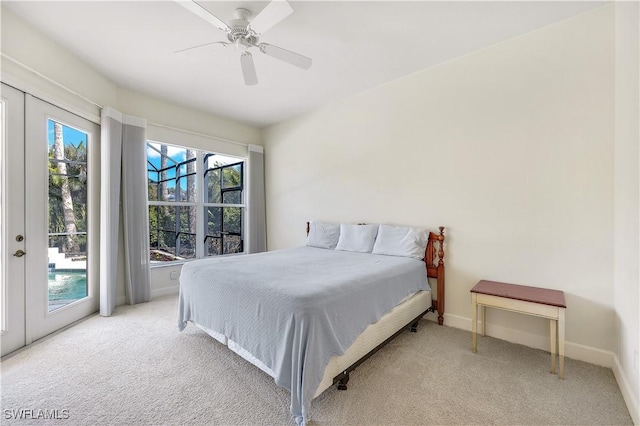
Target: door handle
{"points": [[19, 253]]}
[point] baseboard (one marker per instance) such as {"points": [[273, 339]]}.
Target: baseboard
{"points": [[157, 292], [571, 350], [626, 390], [164, 291]]}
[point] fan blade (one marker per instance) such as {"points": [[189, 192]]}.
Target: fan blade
{"points": [[201, 45], [286, 55], [275, 12], [203, 13], [248, 69]]}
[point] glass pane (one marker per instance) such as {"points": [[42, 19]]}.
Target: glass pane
{"points": [[223, 226], [66, 286], [232, 176], [232, 244], [67, 200], [171, 173], [232, 220], [213, 220], [213, 194], [172, 233], [224, 178], [212, 246]]}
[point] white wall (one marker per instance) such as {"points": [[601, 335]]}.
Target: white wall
{"points": [[627, 202], [53, 66], [510, 148], [35, 64]]}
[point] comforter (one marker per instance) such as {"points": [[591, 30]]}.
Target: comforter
{"points": [[294, 309]]}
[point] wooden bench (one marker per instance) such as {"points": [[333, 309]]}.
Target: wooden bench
{"points": [[535, 301]]}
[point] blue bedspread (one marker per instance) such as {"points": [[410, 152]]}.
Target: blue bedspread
{"points": [[294, 309]]}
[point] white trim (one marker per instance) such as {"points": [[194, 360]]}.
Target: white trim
{"points": [[572, 350], [626, 390], [164, 291], [256, 148], [110, 111], [162, 134], [191, 132], [21, 80], [50, 80], [201, 187], [173, 203], [134, 121], [245, 195], [107, 275]]}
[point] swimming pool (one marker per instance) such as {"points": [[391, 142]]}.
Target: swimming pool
{"points": [[66, 287]]}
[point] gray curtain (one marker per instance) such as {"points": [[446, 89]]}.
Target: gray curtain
{"points": [[135, 210], [256, 223], [123, 178]]}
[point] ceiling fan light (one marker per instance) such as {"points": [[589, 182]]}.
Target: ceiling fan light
{"points": [[241, 44]]}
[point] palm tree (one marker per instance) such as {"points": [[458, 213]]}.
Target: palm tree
{"points": [[67, 201], [191, 188], [163, 191]]}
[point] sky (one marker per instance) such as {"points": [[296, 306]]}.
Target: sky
{"points": [[178, 154], [69, 134]]}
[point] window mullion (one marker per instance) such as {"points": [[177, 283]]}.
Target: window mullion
{"points": [[172, 203], [223, 205], [200, 188]]}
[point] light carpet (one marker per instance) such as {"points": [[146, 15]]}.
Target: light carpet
{"points": [[135, 368]]}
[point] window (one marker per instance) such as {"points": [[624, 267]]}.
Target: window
{"points": [[69, 214], [196, 203]]}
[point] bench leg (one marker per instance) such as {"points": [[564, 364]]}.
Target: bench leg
{"points": [[561, 342], [553, 326], [474, 323], [483, 318]]}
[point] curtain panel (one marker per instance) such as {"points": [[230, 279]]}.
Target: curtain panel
{"points": [[123, 179], [256, 223]]}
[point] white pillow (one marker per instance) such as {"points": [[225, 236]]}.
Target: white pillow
{"points": [[323, 235], [401, 241], [358, 238]]}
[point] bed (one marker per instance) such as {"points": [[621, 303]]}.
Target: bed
{"points": [[308, 316]]}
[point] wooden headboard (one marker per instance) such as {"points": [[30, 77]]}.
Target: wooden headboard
{"points": [[434, 260], [435, 268]]}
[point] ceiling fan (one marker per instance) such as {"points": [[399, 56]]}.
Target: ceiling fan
{"points": [[245, 34]]}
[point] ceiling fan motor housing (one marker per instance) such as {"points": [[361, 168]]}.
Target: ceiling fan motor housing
{"points": [[239, 33]]}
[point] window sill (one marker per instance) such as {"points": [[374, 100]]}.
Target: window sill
{"points": [[160, 264]]}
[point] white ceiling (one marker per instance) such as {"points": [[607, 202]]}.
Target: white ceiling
{"points": [[355, 45]]}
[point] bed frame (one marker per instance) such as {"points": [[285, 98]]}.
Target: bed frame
{"points": [[434, 262]]}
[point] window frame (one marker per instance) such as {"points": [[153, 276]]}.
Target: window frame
{"points": [[201, 205]]}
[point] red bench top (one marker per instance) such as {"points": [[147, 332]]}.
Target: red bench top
{"points": [[543, 296]]}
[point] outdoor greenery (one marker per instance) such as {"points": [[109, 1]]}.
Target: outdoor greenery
{"points": [[67, 195], [173, 228]]}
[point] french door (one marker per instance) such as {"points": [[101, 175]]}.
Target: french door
{"points": [[55, 273], [12, 224]]}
